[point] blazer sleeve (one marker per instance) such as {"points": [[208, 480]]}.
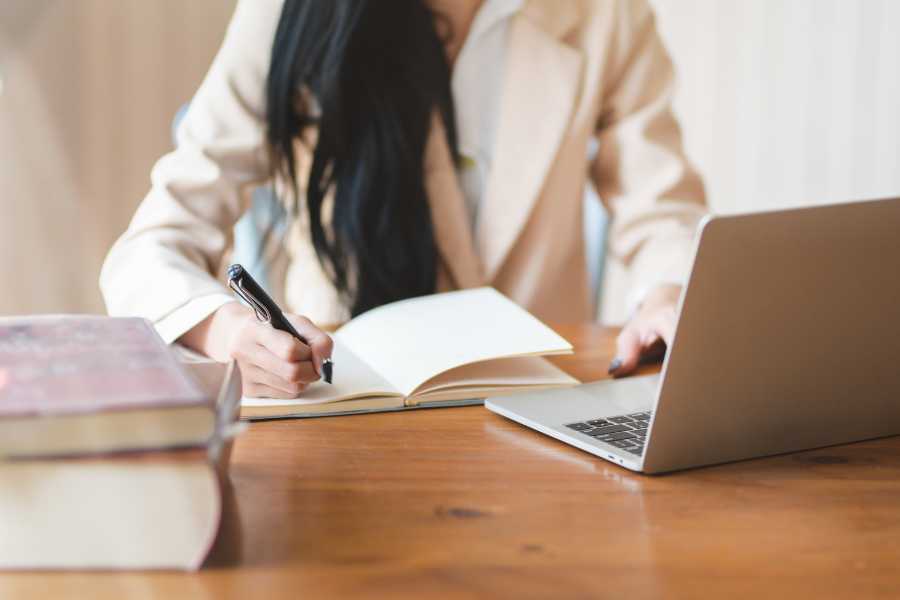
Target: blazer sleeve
{"points": [[655, 197], [165, 266]]}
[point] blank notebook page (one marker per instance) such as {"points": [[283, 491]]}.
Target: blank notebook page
{"points": [[353, 379], [411, 341]]}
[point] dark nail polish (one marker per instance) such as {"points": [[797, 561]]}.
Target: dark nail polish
{"points": [[614, 366]]}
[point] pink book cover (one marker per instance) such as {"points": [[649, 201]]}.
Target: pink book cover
{"points": [[57, 365]]}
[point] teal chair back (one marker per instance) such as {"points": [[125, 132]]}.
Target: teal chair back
{"points": [[596, 226]]}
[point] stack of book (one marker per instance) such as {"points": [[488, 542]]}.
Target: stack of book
{"points": [[112, 453]]}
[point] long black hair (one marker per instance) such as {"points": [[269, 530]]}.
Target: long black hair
{"points": [[378, 72]]}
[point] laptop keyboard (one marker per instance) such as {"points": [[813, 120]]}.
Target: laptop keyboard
{"points": [[628, 432]]}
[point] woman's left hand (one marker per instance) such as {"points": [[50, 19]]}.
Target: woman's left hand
{"points": [[650, 330]]}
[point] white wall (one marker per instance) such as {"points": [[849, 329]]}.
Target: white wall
{"points": [[788, 102]]}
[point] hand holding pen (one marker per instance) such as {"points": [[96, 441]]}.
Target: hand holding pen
{"points": [[278, 361]]}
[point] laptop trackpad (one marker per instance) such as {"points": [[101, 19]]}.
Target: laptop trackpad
{"points": [[587, 401], [622, 396]]}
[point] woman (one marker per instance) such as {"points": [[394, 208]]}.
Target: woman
{"points": [[419, 146]]}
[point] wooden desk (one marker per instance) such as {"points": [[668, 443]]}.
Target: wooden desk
{"points": [[463, 503]]}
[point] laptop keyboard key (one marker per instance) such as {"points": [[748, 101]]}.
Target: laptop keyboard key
{"points": [[628, 432], [617, 437], [610, 429], [578, 426]]}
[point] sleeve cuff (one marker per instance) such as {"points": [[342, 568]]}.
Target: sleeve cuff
{"points": [[637, 296], [182, 319]]}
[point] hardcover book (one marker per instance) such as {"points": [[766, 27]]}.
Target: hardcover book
{"points": [[88, 384], [152, 509]]}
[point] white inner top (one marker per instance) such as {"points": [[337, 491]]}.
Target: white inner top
{"points": [[479, 72]]}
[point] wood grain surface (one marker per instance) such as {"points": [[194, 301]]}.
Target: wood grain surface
{"points": [[461, 503]]}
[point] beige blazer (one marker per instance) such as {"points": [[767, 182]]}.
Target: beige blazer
{"points": [[575, 70]]}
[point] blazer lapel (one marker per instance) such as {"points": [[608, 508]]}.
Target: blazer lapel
{"points": [[542, 78], [449, 214]]}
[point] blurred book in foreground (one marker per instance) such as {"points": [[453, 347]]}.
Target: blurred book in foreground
{"points": [[84, 384], [75, 499]]}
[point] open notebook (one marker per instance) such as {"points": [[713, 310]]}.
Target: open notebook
{"points": [[446, 349]]}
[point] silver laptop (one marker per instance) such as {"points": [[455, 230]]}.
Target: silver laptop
{"points": [[788, 338]]}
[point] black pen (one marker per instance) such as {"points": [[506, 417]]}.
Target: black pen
{"points": [[240, 281]]}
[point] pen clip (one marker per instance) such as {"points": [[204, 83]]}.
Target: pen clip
{"points": [[261, 312]]}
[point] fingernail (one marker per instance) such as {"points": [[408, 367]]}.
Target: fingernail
{"points": [[614, 366]]}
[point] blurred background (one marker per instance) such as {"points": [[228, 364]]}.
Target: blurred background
{"points": [[783, 102]]}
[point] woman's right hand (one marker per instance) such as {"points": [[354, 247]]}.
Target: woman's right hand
{"points": [[273, 364]]}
